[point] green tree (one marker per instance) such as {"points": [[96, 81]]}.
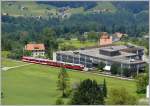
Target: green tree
{"points": [[27, 53], [50, 41], [105, 88], [16, 54], [101, 65], [63, 81], [120, 96], [92, 36], [142, 81], [126, 72], [114, 69], [88, 93]]}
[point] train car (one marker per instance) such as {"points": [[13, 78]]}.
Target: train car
{"points": [[52, 63]]}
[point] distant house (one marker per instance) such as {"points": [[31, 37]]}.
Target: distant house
{"points": [[105, 39], [5, 14], [24, 8], [36, 49], [118, 36]]}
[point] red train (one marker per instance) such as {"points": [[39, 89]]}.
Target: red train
{"points": [[52, 63]]}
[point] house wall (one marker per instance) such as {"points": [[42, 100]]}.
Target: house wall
{"points": [[107, 41], [38, 53]]}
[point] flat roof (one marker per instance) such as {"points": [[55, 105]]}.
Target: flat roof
{"points": [[113, 48]]}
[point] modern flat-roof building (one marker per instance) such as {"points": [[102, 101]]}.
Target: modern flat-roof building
{"points": [[125, 56]]}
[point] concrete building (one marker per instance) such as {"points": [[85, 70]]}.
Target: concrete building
{"points": [[125, 56], [36, 49]]}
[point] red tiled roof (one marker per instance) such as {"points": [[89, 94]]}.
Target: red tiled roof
{"points": [[34, 47]]}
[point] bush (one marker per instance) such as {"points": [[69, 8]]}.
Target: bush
{"points": [[142, 81], [68, 92], [59, 101], [126, 72], [101, 65], [121, 97], [16, 54]]}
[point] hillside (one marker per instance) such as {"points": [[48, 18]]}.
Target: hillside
{"points": [[22, 8], [44, 9]]}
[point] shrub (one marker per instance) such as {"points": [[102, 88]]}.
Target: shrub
{"points": [[101, 65], [121, 97], [126, 72], [115, 69], [142, 82], [59, 101]]}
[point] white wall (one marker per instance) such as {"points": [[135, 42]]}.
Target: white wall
{"points": [[38, 53], [147, 91], [54, 56]]}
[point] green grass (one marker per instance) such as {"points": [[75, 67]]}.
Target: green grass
{"points": [[36, 84], [105, 5], [5, 54], [34, 9], [77, 10], [120, 43], [76, 43], [9, 62]]}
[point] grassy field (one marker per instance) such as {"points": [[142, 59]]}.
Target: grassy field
{"points": [[77, 44], [10, 63], [36, 84]]}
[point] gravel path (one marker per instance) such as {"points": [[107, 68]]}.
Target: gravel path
{"points": [[7, 68]]}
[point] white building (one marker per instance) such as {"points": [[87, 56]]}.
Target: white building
{"points": [[36, 49]]}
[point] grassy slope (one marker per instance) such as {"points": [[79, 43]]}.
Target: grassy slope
{"points": [[105, 5], [36, 84], [33, 8], [36, 9]]}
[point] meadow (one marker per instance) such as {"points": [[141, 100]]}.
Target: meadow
{"points": [[77, 44], [37, 84]]}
